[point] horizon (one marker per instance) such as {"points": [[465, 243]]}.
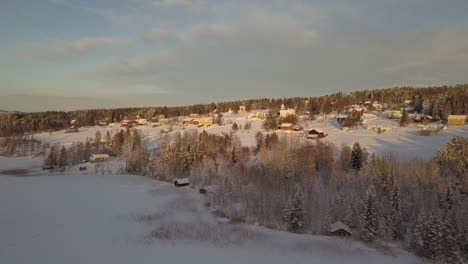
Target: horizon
{"points": [[65, 55]]}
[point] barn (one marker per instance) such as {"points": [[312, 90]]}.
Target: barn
{"points": [[286, 126]]}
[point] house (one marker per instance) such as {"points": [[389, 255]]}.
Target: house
{"points": [[72, 129], [205, 122], [194, 116], [230, 111], [99, 158], [142, 121], [376, 106], [340, 229], [128, 122], [258, 115], [315, 133], [285, 112], [394, 114], [181, 182], [242, 109], [164, 121], [188, 121], [457, 120], [297, 128], [356, 109], [286, 126], [102, 123], [423, 118]]}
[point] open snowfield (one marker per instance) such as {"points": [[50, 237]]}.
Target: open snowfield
{"points": [[402, 141], [80, 218]]}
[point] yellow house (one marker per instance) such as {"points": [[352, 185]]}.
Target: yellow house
{"points": [[394, 114], [456, 120], [205, 122]]}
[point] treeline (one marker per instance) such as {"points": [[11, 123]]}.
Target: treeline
{"points": [[437, 101]]}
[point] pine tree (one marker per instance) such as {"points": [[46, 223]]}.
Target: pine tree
{"points": [[370, 228], [448, 199], [52, 158], [270, 122], [63, 157], [356, 157], [259, 140], [404, 120], [218, 119], [396, 216], [294, 213], [153, 163], [235, 127]]}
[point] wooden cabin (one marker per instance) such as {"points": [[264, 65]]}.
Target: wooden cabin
{"points": [[340, 229], [181, 182], [315, 133]]}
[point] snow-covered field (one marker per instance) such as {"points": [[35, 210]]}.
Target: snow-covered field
{"points": [[86, 218], [402, 141]]}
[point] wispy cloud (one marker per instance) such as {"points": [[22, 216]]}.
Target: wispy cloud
{"points": [[61, 48]]}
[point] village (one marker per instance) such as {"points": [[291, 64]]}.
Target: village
{"points": [[371, 123]]}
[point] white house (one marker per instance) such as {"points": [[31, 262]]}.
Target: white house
{"points": [[285, 112]]}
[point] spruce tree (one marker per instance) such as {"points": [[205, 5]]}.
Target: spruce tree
{"points": [[294, 213], [396, 216], [259, 140], [404, 120], [63, 157], [235, 127], [356, 157], [52, 158], [370, 228]]}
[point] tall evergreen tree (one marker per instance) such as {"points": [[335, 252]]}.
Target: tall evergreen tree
{"points": [[63, 157], [370, 228], [356, 157], [294, 213], [52, 157], [404, 120]]}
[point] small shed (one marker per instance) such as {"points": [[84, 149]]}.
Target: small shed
{"points": [[340, 229], [181, 182]]}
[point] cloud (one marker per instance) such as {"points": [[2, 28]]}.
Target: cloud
{"points": [[160, 34], [172, 3], [60, 48]]}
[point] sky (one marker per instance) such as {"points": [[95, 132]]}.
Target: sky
{"points": [[80, 54]]}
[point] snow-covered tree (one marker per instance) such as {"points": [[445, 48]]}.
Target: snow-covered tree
{"points": [[294, 213], [356, 157], [404, 120], [370, 228], [63, 157]]}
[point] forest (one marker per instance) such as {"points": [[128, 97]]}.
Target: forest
{"points": [[297, 186], [436, 101]]}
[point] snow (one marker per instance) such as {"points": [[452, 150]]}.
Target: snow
{"points": [[85, 218], [402, 141]]}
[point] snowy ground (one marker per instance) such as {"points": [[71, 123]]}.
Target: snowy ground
{"points": [[110, 218], [403, 141]]}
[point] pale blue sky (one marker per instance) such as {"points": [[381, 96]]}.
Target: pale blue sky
{"points": [[76, 54]]}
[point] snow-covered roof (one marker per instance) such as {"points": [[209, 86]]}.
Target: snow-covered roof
{"points": [[100, 156], [286, 124], [457, 116], [316, 129], [182, 181], [339, 225]]}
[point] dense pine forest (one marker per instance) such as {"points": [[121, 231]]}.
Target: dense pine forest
{"points": [[436, 101]]}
